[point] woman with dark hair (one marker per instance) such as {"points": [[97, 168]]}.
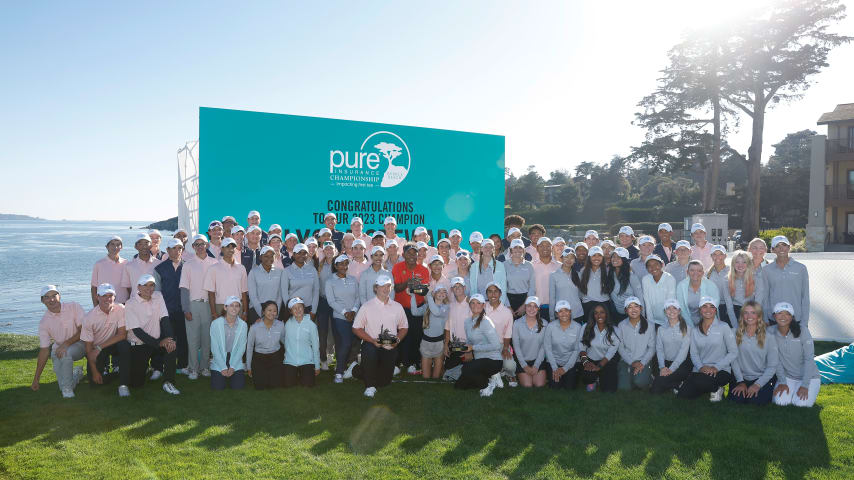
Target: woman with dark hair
{"points": [[692, 289], [342, 293], [621, 283], [561, 345], [713, 350], [598, 351], [592, 281], [264, 352], [637, 346], [483, 358], [487, 270], [798, 380], [756, 365], [581, 249], [521, 283], [718, 274], [657, 287], [562, 286], [672, 341], [215, 233], [528, 336], [302, 347], [325, 269]]}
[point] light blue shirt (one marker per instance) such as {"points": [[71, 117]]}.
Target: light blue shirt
{"points": [[302, 344], [238, 347]]}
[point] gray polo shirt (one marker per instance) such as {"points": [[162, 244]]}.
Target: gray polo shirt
{"points": [[716, 348], [264, 286], [795, 356], [679, 272], [520, 278], [342, 295], [301, 282], [789, 284], [636, 346], [528, 343], [671, 345], [600, 347], [594, 287], [483, 339], [633, 289], [366, 283], [262, 339], [561, 345], [755, 362], [562, 288], [638, 267]]}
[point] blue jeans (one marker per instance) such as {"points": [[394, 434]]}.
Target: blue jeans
{"points": [[343, 332], [236, 381]]}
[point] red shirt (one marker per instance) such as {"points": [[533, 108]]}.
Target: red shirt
{"points": [[401, 273]]}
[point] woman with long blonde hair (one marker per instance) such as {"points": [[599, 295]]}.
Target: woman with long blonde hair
{"points": [[743, 283], [755, 367]]}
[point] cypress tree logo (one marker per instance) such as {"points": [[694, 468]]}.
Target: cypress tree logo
{"points": [[383, 160]]}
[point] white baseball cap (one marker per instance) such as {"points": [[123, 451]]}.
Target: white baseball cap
{"points": [[543, 240], [627, 230], [717, 248], [300, 247], [475, 237], [608, 242], [267, 248], [632, 300], [697, 226], [274, 226], [567, 251], [155, 232], [653, 257], [517, 242], [591, 233], [645, 239], [436, 258], [513, 231], [330, 214], [581, 245], [106, 289], [294, 301], [389, 220], [228, 241], [390, 243], [419, 230], [378, 233], [254, 213], [342, 258], [290, 236], [383, 280], [672, 302], [778, 240], [421, 245], [47, 289], [665, 226], [228, 218], [146, 278], [477, 298], [357, 220], [358, 243], [114, 237], [199, 236], [174, 242], [533, 299], [707, 300], [272, 236], [231, 300], [784, 307], [215, 223], [455, 232], [237, 228], [443, 240], [322, 231], [493, 284], [464, 254], [142, 236], [458, 280], [622, 252], [377, 249], [563, 304], [311, 241], [596, 250], [683, 243], [487, 241], [253, 228]]}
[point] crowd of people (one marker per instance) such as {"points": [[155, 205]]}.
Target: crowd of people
{"points": [[633, 312]]}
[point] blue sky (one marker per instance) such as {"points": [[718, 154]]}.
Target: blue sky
{"points": [[96, 98]]}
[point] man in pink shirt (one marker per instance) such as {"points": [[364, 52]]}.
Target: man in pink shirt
{"points": [[390, 227], [197, 319], [544, 265], [150, 336], [702, 249], [59, 339], [226, 278], [502, 318], [109, 270], [378, 315], [105, 335], [356, 227], [142, 264]]}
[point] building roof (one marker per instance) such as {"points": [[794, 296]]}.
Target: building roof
{"points": [[843, 112]]}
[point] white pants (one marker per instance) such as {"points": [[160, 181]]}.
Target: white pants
{"points": [[64, 367], [791, 397], [199, 336]]}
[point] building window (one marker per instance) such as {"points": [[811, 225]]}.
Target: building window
{"points": [[851, 137]]}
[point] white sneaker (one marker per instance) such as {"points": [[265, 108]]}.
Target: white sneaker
{"points": [[67, 392], [513, 383], [183, 371], [124, 391], [170, 389], [324, 366], [349, 372], [411, 370], [487, 392], [76, 375], [496, 381], [339, 378], [193, 375], [155, 375], [206, 372], [370, 392], [675, 391], [717, 395], [396, 372]]}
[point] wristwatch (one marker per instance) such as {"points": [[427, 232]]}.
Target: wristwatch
{"points": [[98, 347]]}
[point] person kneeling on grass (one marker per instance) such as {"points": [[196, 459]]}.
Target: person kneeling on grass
{"points": [[150, 336], [228, 344], [105, 335], [264, 352], [302, 347], [798, 380], [672, 341], [378, 315], [713, 350], [528, 334], [483, 358], [435, 312], [599, 357], [637, 346], [561, 345], [756, 365], [59, 339]]}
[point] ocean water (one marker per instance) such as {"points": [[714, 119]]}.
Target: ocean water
{"points": [[37, 253]]}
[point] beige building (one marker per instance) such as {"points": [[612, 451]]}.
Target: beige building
{"points": [[832, 180]]}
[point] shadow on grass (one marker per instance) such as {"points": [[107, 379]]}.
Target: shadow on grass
{"points": [[516, 432]]}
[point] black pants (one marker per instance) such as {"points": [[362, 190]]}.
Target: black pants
{"points": [[409, 347], [476, 373], [323, 321], [699, 383], [723, 314], [302, 375], [267, 369], [120, 352], [568, 380], [606, 375], [737, 309], [662, 384], [139, 357], [588, 307], [179, 331], [377, 365], [516, 301], [453, 360], [251, 316], [762, 398]]}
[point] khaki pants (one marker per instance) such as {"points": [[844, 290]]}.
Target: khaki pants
{"points": [[199, 336], [64, 367]]}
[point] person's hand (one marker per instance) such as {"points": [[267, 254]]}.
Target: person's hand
{"points": [[519, 312], [188, 316], [752, 391], [168, 344], [447, 352], [243, 315], [557, 374], [224, 372], [389, 346], [350, 316], [316, 372], [530, 370], [637, 367], [591, 366], [739, 389], [665, 372], [249, 372], [60, 351], [97, 377], [505, 353], [230, 372], [781, 389], [35, 385], [312, 315], [213, 313], [803, 392], [467, 357], [714, 371]]}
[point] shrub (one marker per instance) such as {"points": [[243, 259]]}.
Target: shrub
{"points": [[795, 235]]}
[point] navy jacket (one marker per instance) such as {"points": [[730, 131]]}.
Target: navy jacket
{"points": [[249, 258], [170, 278], [659, 250]]}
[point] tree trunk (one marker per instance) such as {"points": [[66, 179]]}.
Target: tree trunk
{"points": [[750, 220], [707, 188], [716, 156]]}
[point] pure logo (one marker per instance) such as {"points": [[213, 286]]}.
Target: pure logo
{"points": [[383, 160]]}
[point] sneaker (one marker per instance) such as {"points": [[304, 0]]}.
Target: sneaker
{"points": [[496, 381], [339, 378], [513, 383], [67, 392], [717, 395], [193, 375], [675, 391], [124, 391], [324, 366], [170, 389], [155, 375], [591, 387], [183, 371], [76, 375], [396, 372], [411, 370], [206, 372], [349, 372], [487, 392], [370, 392]]}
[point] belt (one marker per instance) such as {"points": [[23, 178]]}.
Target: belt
{"points": [[433, 339], [200, 300]]}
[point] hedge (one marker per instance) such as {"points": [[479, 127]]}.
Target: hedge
{"points": [[794, 235]]}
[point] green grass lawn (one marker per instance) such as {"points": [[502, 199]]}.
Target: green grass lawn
{"points": [[410, 430]]}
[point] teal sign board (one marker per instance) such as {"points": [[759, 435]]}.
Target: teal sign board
{"points": [[295, 169]]}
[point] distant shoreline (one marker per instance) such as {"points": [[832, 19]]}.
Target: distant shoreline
{"points": [[11, 216]]}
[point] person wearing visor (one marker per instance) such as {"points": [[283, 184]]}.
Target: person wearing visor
{"points": [[149, 333], [228, 345], [59, 340], [197, 311], [105, 336], [109, 270]]}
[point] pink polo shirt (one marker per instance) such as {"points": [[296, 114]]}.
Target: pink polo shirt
{"points": [[541, 277], [355, 268], [400, 241], [216, 250], [502, 317], [98, 326], [457, 316], [108, 271], [193, 276], [134, 269], [59, 327], [703, 254], [375, 316], [365, 238], [225, 280], [145, 314]]}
